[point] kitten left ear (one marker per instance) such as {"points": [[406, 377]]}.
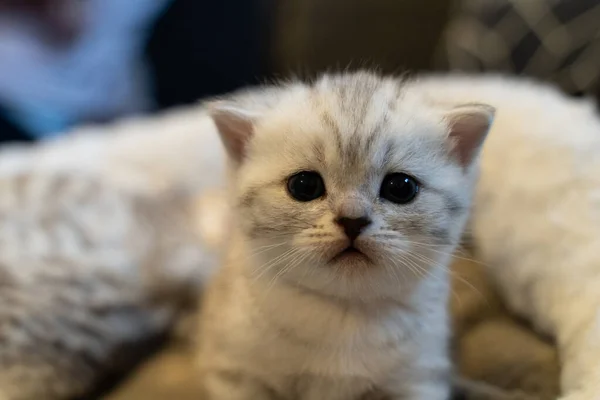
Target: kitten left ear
{"points": [[235, 126], [469, 125]]}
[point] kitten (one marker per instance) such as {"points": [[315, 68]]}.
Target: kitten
{"points": [[99, 248], [349, 196], [89, 274], [538, 133], [536, 217]]}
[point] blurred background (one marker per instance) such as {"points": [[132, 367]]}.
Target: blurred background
{"points": [[65, 63]]}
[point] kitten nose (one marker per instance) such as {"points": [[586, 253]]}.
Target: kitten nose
{"points": [[353, 226]]}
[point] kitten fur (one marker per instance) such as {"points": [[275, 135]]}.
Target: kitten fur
{"points": [[285, 319], [99, 246], [178, 151], [87, 273], [536, 219]]}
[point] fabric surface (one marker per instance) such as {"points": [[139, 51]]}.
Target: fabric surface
{"points": [[555, 40]]}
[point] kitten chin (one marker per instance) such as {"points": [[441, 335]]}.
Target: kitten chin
{"points": [[349, 196]]}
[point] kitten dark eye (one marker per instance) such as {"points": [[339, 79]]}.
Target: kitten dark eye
{"points": [[306, 186], [399, 188]]}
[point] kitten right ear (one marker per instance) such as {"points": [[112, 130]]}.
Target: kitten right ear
{"points": [[469, 125], [235, 126]]}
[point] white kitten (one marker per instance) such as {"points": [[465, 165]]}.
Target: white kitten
{"points": [[536, 221], [349, 197]]}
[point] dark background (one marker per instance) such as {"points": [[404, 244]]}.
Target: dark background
{"points": [[200, 48]]}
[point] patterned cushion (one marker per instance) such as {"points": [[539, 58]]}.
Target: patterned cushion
{"points": [[556, 40]]}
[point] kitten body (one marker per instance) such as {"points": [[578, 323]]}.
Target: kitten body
{"points": [[99, 248], [291, 315], [178, 151], [536, 217], [87, 273]]}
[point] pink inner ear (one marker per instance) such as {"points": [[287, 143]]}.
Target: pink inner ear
{"points": [[235, 127], [469, 126]]}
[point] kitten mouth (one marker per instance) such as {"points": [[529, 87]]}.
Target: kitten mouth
{"points": [[349, 252]]}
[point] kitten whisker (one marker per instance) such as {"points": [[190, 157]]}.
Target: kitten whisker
{"points": [[452, 254], [430, 247], [297, 260], [433, 263], [406, 263], [424, 273], [397, 237], [396, 270], [273, 262], [265, 248]]}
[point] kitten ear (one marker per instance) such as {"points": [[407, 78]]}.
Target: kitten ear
{"points": [[235, 125], [469, 125]]}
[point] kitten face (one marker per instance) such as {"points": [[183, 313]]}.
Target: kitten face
{"points": [[351, 187]]}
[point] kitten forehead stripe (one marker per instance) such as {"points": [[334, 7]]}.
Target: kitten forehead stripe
{"points": [[334, 129]]}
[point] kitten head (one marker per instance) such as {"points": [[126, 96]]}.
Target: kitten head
{"points": [[353, 186]]}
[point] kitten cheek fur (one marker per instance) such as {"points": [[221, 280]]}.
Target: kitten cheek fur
{"points": [[362, 320]]}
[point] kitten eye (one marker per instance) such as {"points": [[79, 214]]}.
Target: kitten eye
{"points": [[306, 186], [399, 188]]}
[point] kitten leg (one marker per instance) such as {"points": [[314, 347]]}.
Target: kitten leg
{"points": [[234, 385]]}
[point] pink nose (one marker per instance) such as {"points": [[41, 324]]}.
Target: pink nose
{"points": [[353, 226]]}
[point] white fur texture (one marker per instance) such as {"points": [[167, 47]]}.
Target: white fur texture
{"points": [[97, 250], [536, 221], [178, 151]]}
